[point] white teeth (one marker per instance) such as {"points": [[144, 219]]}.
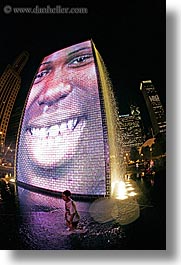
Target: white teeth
{"points": [[35, 132], [55, 130], [75, 121], [42, 132], [70, 124], [63, 127]]}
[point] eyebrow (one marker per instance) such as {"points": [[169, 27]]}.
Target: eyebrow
{"points": [[73, 52], [45, 63], [70, 53]]}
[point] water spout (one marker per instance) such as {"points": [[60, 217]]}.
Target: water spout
{"points": [[113, 126]]}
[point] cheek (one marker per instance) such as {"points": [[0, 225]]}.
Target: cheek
{"points": [[35, 91], [85, 80]]}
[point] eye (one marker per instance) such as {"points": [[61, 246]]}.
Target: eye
{"points": [[81, 60], [40, 76]]}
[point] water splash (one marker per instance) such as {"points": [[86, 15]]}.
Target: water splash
{"points": [[121, 206]]}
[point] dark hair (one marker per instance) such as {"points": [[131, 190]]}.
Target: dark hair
{"points": [[67, 193]]}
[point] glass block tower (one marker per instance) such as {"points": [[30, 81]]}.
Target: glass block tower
{"points": [[154, 105], [10, 82], [69, 131]]}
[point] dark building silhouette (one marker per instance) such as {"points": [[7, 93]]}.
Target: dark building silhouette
{"points": [[154, 105]]}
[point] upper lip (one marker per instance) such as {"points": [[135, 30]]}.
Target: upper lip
{"points": [[50, 119]]}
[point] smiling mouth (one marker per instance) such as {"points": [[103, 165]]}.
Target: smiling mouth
{"points": [[65, 127]]}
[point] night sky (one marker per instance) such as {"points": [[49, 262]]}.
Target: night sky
{"points": [[130, 38]]}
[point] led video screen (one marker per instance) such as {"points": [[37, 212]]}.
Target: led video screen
{"points": [[61, 144]]}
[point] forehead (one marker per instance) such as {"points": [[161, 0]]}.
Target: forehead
{"points": [[67, 51]]}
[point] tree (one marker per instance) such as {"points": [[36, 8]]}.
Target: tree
{"points": [[134, 154], [159, 147], [146, 152]]}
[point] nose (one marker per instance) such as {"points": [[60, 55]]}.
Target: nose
{"points": [[53, 92]]}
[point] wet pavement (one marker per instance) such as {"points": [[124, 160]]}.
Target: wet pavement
{"points": [[30, 220]]}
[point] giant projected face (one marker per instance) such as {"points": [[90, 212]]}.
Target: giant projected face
{"points": [[61, 143]]}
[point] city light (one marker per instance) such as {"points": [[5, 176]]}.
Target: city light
{"points": [[121, 190]]}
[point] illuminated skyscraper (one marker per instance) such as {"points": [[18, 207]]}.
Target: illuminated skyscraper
{"points": [[10, 83], [131, 130], [154, 105]]}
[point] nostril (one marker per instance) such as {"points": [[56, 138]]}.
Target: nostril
{"points": [[40, 102]]}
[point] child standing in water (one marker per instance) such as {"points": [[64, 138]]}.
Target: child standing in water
{"points": [[71, 215]]}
